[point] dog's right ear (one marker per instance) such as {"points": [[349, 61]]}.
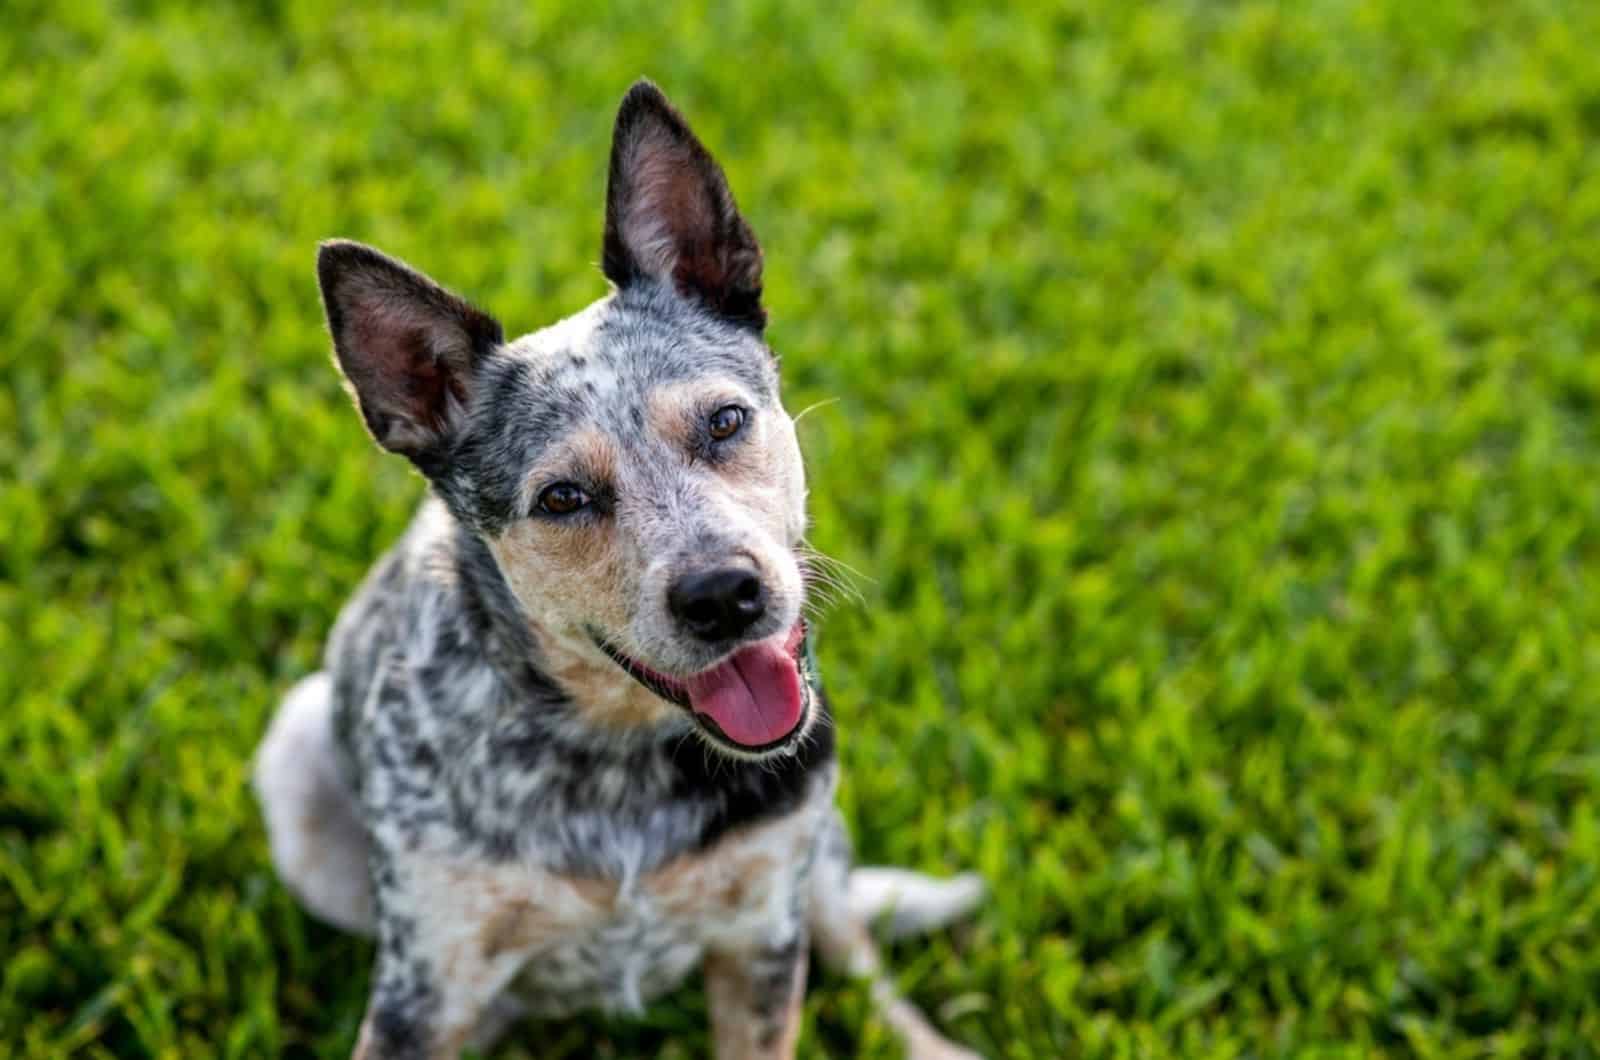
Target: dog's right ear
{"points": [[408, 348]]}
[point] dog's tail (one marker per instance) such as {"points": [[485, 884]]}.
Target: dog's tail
{"points": [[313, 828], [901, 902]]}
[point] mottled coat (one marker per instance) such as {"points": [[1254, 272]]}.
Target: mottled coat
{"points": [[508, 770]]}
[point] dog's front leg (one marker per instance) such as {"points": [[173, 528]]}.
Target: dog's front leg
{"points": [[755, 997], [448, 944]]}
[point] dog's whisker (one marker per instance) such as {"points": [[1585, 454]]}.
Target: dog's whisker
{"points": [[814, 406], [837, 566], [816, 558], [826, 595], [832, 589], [830, 570]]}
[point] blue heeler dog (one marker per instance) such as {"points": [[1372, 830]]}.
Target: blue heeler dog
{"points": [[570, 743]]}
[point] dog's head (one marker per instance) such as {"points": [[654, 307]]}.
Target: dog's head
{"points": [[631, 468]]}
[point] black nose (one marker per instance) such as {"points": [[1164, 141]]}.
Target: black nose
{"points": [[718, 604]]}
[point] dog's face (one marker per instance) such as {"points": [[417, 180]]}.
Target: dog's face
{"points": [[632, 468]]}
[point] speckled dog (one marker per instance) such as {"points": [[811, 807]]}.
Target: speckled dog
{"points": [[570, 743]]}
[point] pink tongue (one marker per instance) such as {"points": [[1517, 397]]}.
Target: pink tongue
{"points": [[754, 697]]}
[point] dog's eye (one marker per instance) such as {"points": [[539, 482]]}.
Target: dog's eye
{"points": [[562, 499], [726, 421]]}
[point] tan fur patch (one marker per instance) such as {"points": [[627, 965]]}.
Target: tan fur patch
{"points": [[672, 411], [517, 911], [734, 999], [561, 570], [763, 474], [586, 454], [519, 924], [600, 893], [607, 697], [741, 873]]}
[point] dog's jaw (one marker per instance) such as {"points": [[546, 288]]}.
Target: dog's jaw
{"points": [[603, 698]]}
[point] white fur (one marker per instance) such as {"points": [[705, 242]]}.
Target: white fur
{"points": [[318, 844], [901, 903]]}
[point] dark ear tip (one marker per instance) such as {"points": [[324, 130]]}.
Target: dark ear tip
{"points": [[643, 93], [645, 103], [335, 256], [341, 250]]}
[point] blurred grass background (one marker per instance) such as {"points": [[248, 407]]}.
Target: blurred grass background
{"points": [[1216, 420]]}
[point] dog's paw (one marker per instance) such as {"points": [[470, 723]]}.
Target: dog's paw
{"points": [[922, 1042]]}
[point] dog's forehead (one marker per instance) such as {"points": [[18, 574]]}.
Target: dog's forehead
{"points": [[601, 366]]}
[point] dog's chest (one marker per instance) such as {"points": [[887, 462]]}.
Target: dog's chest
{"points": [[618, 944]]}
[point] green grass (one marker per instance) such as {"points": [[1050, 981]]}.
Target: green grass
{"points": [[1217, 391]]}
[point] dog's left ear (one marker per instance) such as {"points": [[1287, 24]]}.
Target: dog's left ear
{"points": [[671, 217]]}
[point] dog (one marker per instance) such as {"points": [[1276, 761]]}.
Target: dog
{"points": [[570, 742]]}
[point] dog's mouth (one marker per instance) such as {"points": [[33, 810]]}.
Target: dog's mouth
{"points": [[754, 701]]}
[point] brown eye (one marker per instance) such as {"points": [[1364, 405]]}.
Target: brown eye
{"points": [[562, 499], [726, 421]]}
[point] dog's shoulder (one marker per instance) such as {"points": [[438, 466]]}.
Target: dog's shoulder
{"points": [[410, 604]]}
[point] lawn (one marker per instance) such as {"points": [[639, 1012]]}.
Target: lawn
{"points": [[1213, 418]]}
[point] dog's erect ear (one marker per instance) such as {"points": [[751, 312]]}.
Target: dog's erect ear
{"points": [[670, 215], [408, 347]]}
